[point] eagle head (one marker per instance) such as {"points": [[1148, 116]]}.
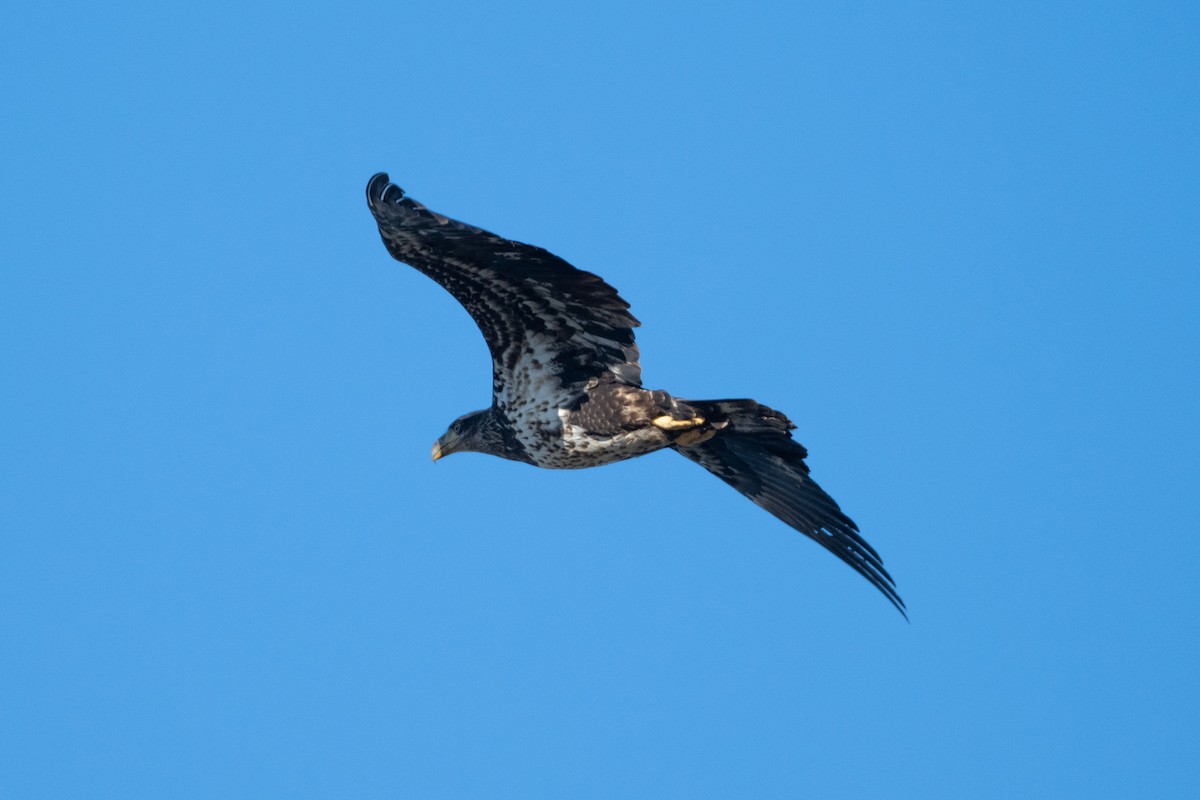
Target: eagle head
{"points": [[477, 432]]}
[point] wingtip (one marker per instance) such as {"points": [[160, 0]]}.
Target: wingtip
{"points": [[872, 569], [898, 602], [381, 190], [879, 576]]}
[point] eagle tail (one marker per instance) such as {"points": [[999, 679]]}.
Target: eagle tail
{"points": [[753, 451], [743, 416]]}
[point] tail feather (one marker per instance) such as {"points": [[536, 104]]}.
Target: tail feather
{"points": [[744, 416]]}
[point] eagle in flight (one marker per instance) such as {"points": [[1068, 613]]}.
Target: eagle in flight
{"points": [[567, 387]]}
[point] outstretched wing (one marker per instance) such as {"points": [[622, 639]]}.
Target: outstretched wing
{"points": [[542, 318], [757, 456]]}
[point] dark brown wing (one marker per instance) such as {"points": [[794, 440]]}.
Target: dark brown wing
{"points": [[541, 317], [756, 455]]}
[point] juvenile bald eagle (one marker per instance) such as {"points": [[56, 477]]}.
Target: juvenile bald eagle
{"points": [[567, 388]]}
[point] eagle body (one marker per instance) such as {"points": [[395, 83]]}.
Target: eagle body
{"points": [[567, 384], [607, 421]]}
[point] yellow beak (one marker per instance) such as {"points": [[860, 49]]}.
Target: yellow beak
{"points": [[445, 445]]}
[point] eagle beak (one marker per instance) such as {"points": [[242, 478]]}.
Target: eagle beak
{"points": [[444, 446]]}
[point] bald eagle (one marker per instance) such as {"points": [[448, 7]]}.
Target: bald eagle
{"points": [[567, 387]]}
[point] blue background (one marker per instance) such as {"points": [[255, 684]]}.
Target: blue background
{"points": [[957, 243]]}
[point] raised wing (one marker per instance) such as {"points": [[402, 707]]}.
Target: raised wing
{"points": [[757, 456], [541, 317]]}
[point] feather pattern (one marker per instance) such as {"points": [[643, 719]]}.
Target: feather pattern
{"points": [[754, 452], [549, 326], [567, 386]]}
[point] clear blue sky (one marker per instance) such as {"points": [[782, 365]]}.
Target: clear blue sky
{"points": [[958, 244]]}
